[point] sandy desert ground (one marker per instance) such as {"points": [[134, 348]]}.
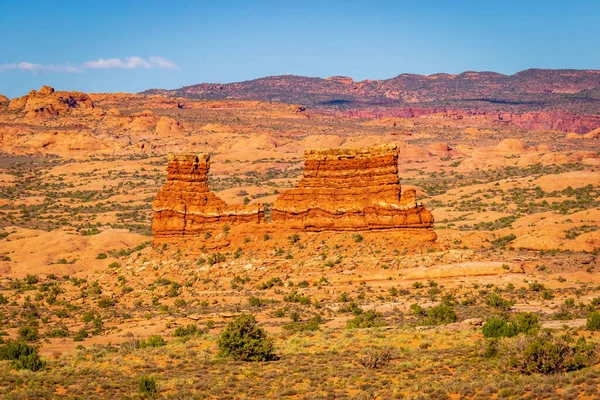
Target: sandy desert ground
{"points": [[517, 217]]}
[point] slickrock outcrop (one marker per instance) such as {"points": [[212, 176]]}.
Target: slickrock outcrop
{"points": [[167, 127], [351, 189], [47, 103], [3, 98], [185, 206]]}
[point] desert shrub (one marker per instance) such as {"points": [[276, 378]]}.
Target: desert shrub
{"points": [[31, 279], [173, 290], [3, 300], [491, 348], [377, 358], [353, 308], [357, 238], [215, 258], [312, 325], [497, 301], [88, 316], [28, 333], [189, 330], [563, 314], [437, 315], [536, 286], [593, 321], [80, 335], [520, 323], [179, 303], [270, 283], [303, 284], [504, 240], [244, 340], [147, 387], [153, 341], [294, 238], [101, 256], [22, 356], [294, 297], [256, 302], [106, 302], [368, 319], [497, 327], [546, 353], [59, 332]]}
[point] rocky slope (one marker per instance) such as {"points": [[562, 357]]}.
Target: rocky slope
{"points": [[529, 90], [59, 122], [566, 100]]}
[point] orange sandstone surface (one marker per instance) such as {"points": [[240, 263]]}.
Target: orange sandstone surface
{"points": [[351, 189], [185, 205], [342, 189]]}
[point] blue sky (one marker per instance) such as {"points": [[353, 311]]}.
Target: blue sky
{"points": [[109, 46]]}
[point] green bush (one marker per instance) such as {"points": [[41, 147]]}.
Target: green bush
{"points": [[153, 341], [440, 314], [368, 319], [294, 297], [244, 340], [312, 325], [106, 302], [497, 301], [80, 335], [593, 321], [270, 283], [28, 333], [520, 323], [256, 302], [548, 354], [189, 330], [63, 331], [357, 238], [22, 356], [147, 387]]}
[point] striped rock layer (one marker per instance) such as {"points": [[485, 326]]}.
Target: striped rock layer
{"points": [[351, 189], [185, 206]]}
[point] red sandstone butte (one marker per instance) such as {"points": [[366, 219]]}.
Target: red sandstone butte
{"points": [[352, 189], [185, 206]]}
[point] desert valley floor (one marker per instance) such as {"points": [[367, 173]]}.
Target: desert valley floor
{"points": [[354, 314]]}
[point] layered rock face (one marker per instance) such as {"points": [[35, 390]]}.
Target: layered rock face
{"points": [[185, 206], [351, 189]]}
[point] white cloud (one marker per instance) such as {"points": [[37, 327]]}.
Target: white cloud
{"points": [[101, 63], [162, 63], [36, 68], [7, 67], [130, 63]]}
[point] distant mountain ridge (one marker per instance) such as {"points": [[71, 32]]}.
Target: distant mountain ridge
{"points": [[574, 91]]}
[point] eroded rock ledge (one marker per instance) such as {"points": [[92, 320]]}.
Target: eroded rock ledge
{"points": [[350, 189], [185, 206], [341, 190]]}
